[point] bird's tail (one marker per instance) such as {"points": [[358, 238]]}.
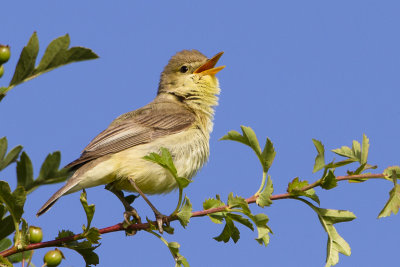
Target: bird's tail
{"points": [[62, 191]]}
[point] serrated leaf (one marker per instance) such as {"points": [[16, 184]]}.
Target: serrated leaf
{"points": [[3, 147], [164, 159], [320, 158], [261, 220], [55, 48], [393, 204], [5, 243], [345, 151], [185, 212], [240, 219], [295, 189], [268, 154], [64, 233], [179, 259], [24, 171], [336, 244], [235, 136], [84, 248], [364, 151], [14, 201], [251, 138], [88, 254], [182, 182], [26, 62], [238, 202], [229, 231], [214, 203], [392, 173], [333, 165], [7, 159], [263, 198], [329, 181], [93, 235], [10, 157], [50, 166], [89, 209]]}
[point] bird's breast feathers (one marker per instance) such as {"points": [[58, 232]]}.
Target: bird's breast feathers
{"points": [[189, 150]]}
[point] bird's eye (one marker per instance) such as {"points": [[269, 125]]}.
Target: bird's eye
{"points": [[184, 69]]}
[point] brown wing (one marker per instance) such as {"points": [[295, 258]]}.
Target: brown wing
{"points": [[141, 126]]}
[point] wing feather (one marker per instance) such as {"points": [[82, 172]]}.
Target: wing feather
{"points": [[141, 126]]}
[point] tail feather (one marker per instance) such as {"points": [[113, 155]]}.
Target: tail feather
{"points": [[62, 191]]}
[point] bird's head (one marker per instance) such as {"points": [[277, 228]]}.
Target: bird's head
{"points": [[190, 76]]}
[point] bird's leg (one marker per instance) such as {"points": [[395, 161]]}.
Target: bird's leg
{"points": [[129, 210], [159, 217]]}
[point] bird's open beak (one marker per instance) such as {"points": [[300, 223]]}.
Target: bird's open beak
{"points": [[208, 67]]}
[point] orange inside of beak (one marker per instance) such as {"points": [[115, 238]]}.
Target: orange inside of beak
{"points": [[208, 67]]}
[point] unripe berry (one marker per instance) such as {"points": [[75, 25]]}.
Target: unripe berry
{"points": [[35, 234], [4, 53], [53, 258]]}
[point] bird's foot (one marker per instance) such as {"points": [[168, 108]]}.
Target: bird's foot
{"points": [[161, 219], [131, 212]]}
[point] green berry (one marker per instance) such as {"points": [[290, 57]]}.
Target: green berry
{"points": [[53, 258], [35, 234], [4, 53], [1, 70]]}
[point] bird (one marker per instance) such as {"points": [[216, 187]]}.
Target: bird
{"points": [[180, 119]]}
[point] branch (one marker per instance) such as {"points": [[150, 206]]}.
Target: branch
{"points": [[144, 226]]}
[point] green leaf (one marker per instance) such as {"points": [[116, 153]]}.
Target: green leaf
{"points": [[26, 62], [89, 209], [14, 201], [249, 138], [11, 157], [295, 189], [185, 212], [393, 204], [214, 203], [235, 136], [6, 226], [4, 262], [336, 244], [93, 235], [238, 202], [392, 173], [57, 47], [179, 259], [64, 233], [320, 158], [49, 172], [329, 181], [24, 171], [261, 220], [5, 243], [3, 147], [19, 256], [182, 182], [164, 159], [268, 154], [229, 231], [88, 254], [240, 219], [263, 198], [364, 151], [333, 165]]}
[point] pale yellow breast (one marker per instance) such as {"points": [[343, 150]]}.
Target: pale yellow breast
{"points": [[189, 149]]}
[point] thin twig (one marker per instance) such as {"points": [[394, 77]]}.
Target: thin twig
{"points": [[143, 226]]}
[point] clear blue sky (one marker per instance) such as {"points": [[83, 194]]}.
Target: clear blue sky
{"points": [[296, 70]]}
